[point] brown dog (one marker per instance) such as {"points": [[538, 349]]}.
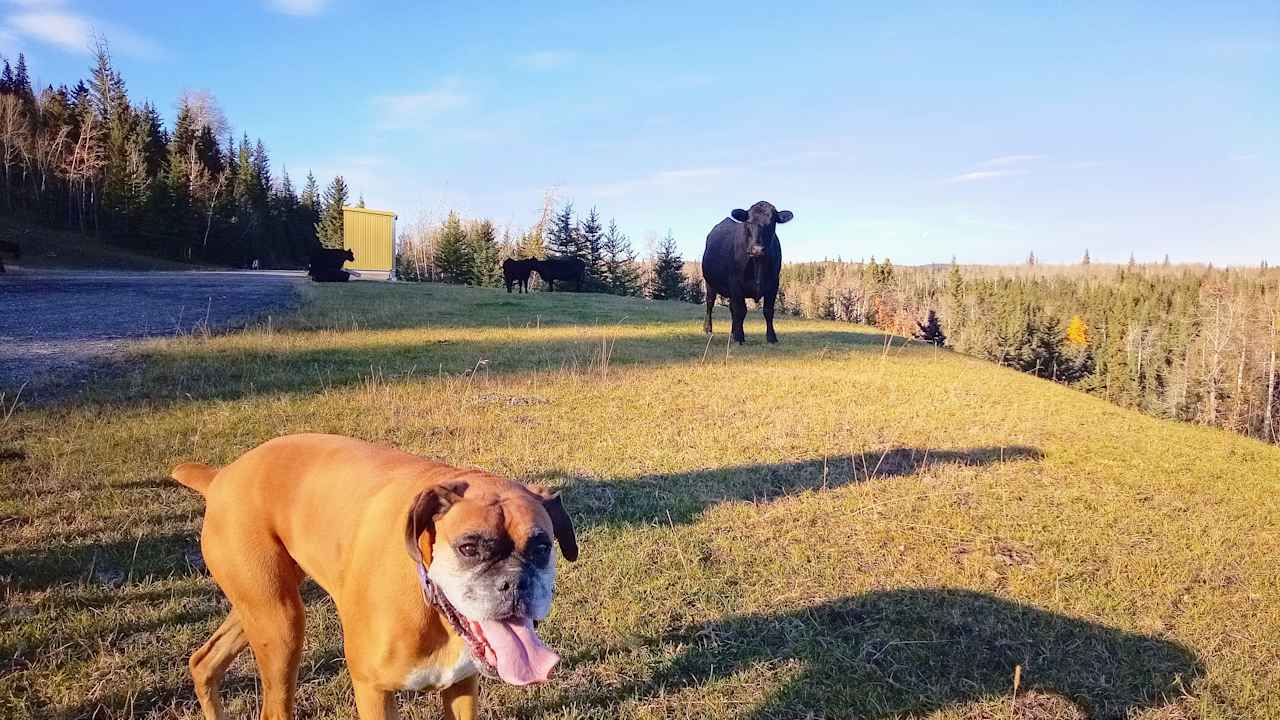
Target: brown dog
{"points": [[478, 572]]}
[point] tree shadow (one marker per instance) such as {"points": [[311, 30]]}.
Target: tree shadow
{"points": [[682, 497], [910, 652], [212, 372], [107, 563]]}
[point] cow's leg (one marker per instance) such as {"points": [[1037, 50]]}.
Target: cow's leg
{"points": [[738, 308], [769, 300], [711, 304]]}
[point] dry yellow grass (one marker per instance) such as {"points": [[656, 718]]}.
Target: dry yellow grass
{"points": [[832, 527]]}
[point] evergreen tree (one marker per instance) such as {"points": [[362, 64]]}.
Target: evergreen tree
{"points": [[454, 256], [668, 271], [930, 331], [1031, 259], [591, 244], [360, 202], [485, 253], [6, 79], [1085, 260], [621, 272], [310, 197], [329, 228], [563, 237]]}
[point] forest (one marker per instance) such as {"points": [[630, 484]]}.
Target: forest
{"points": [[90, 159], [1188, 342]]}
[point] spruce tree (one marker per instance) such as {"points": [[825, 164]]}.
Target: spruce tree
{"points": [[621, 272], [668, 281], [563, 237], [531, 244], [485, 252], [1085, 259], [591, 240], [454, 257], [930, 331], [329, 229]]}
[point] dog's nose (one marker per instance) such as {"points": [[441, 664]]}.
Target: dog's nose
{"points": [[505, 586]]}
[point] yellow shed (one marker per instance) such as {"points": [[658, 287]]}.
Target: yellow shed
{"points": [[371, 236]]}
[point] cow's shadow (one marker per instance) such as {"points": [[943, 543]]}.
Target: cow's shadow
{"points": [[911, 652]]}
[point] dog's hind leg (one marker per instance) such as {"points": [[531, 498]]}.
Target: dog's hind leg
{"points": [[209, 664], [261, 580], [275, 631]]}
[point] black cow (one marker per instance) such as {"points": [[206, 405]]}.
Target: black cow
{"points": [[9, 247], [516, 272], [742, 260], [326, 264], [560, 268]]}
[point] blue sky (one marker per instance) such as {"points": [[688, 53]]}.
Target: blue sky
{"points": [[916, 131]]}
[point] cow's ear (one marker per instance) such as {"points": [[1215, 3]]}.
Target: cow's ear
{"points": [[740, 215], [784, 216]]}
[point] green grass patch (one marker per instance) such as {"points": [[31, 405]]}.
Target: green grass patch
{"points": [[837, 526]]}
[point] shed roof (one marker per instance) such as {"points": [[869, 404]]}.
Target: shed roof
{"points": [[369, 211]]}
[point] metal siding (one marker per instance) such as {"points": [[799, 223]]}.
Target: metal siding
{"points": [[370, 235]]}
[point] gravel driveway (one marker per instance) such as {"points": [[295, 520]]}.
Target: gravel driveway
{"points": [[55, 324]]}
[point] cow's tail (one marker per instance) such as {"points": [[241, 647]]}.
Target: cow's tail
{"points": [[196, 476]]}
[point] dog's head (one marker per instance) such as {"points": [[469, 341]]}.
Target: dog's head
{"points": [[488, 548]]}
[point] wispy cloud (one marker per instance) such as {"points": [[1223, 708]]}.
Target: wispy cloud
{"points": [[412, 110], [679, 179], [546, 59], [50, 23], [1005, 160], [300, 8], [978, 175]]}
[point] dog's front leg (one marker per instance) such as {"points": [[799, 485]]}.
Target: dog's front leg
{"points": [[459, 699], [373, 703]]}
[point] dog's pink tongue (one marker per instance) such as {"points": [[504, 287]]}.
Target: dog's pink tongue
{"points": [[522, 658]]}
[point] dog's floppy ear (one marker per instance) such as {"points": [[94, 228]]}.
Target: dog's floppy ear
{"points": [[561, 525], [429, 505]]}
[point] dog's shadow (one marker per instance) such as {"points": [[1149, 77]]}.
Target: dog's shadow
{"points": [[912, 652]]}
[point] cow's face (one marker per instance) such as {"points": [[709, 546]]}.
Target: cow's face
{"points": [[760, 223]]}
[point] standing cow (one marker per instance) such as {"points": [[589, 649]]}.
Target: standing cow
{"points": [[566, 269], [516, 272], [742, 260]]}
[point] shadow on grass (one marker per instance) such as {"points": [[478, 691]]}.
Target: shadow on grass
{"points": [[103, 563], [214, 372], [681, 497], [916, 651]]}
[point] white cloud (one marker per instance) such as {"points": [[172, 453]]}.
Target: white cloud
{"points": [[1004, 160], [546, 59], [412, 110], [73, 32], [300, 8], [683, 179], [983, 175]]}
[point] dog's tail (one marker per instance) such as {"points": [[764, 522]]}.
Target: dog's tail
{"points": [[196, 476]]}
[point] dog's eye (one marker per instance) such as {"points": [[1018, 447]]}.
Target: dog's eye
{"points": [[538, 552], [469, 550]]}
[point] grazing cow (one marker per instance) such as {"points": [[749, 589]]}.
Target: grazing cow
{"points": [[561, 268], [516, 272], [12, 248], [326, 264], [742, 260]]}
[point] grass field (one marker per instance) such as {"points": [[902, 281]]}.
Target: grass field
{"points": [[831, 527]]}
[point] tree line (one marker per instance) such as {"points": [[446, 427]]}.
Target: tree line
{"points": [[1193, 343], [88, 158], [471, 252]]}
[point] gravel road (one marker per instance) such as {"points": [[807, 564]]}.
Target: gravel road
{"points": [[55, 324]]}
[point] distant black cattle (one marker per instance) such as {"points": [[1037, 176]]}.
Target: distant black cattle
{"points": [[516, 272], [742, 260], [326, 264], [7, 246], [560, 268]]}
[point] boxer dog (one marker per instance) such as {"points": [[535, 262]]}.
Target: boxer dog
{"points": [[463, 600]]}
